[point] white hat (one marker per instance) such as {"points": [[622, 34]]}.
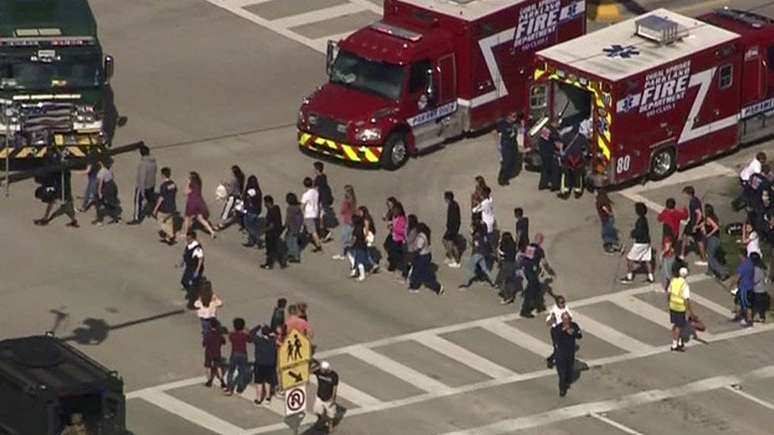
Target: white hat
{"points": [[325, 365], [683, 272], [221, 192]]}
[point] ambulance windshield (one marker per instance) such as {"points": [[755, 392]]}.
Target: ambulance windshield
{"points": [[383, 79]]}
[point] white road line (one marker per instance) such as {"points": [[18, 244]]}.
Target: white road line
{"points": [[245, 3], [192, 413], [352, 394], [524, 377], [318, 15], [398, 370], [365, 4], [644, 310], [751, 398], [636, 197], [519, 338], [276, 406], [530, 343], [632, 400], [464, 356], [230, 6], [609, 334], [710, 305], [615, 424]]}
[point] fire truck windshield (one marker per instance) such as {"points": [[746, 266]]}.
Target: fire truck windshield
{"points": [[383, 79], [30, 73]]}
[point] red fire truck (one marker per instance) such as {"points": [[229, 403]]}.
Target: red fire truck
{"points": [[429, 71], [664, 91]]}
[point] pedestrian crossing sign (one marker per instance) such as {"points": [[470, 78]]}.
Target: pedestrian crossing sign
{"points": [[295, 350], [294, 376]]}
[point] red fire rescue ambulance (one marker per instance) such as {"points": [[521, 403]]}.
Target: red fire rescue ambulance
{"points": [[663, 91], [429, 71]]}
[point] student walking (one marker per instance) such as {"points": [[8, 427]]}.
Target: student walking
{"points": [[235, 187], [694, 228], [745, 283], [640, 254], [486, 208], [534, 262], [327, 215], [166, 207], [108, 204], [712, 237], [507, 280], [238, 369], [265, 362], [451, 236], [207, 305], [90, 171], [145, 185], [273, 232], [278, 314], [479, 257], [294, 222], [422, 272], [679, 295], [565, 336], [760, 296], [213, 343], [62, 195], [398, 231], [195, 208], [253, 200], [604, 205], [348, 207], [360, 260], [668, 259], [521, 236], [672, 217], [310, 202]]}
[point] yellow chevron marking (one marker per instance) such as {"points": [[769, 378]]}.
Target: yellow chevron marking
{"points": [[41, 153], [24, 152], [3, 152], [370, 156], [351, 153], [76, 152]]}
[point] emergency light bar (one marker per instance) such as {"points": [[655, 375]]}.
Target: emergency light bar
{"points": [[398, 32]]}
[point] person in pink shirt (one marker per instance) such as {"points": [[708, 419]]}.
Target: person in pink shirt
{"points": [[394, 245], [296, 321]]}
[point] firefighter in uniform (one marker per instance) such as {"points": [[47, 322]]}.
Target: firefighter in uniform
{"points": [[547, 147], [573, 164], [507, 132]]}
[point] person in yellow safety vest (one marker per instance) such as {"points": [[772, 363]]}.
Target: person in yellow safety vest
{"points": [[679, 295]]}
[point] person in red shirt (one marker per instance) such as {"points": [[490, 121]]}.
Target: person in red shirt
{"points": [[213, 342], [671, 218], [238, 361], [297, 321]]}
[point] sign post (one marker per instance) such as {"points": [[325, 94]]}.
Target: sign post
{"points": [[293, 358]]}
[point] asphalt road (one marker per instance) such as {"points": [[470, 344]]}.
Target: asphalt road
{"points": [[207, 88]]}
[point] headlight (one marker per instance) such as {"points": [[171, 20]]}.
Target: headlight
{"points": [[368, 135], [85, 114], [312, 119], [301, 117]]}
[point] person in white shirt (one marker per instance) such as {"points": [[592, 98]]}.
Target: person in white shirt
{"points": [[553, 319], [207, 305], [486, 208], [310, 203], [751, 240], [748, 192]]}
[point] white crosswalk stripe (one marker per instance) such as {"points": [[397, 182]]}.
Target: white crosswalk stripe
{"points": [[609, 334], [192, 413], [644, 310], [519, 338], [284, 26], [460, 354], [710, 305], [397, 369]]}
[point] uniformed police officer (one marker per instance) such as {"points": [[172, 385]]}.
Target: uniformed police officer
{"points": [[507, 134], [193, 264], [547, 147]]}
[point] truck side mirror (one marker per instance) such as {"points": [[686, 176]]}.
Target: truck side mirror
{"points": [[330, 55], [109, 68]]}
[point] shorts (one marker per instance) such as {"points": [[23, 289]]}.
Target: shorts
{"points": [[324, 408], [744, 299], [639, 252], [213, 361], [310, 225], [697, 236], [263, 374], [677, 318]]}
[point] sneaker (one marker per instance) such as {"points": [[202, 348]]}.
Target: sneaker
{"points": [[338, 257], [413, 291], [462, 287], [40, 222], [677, 349], [447, 261], [700, 263], [73, 224], [328, 237], [651, 279], [257, 402], [745, 324], [455, 265], [361, 278], [442, 291], [627, 279]]}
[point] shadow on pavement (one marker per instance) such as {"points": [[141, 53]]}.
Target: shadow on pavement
{"points": [[95, 331]]}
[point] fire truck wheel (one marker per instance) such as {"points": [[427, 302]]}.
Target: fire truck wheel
{"points": [[395, 152], [663, 164]]}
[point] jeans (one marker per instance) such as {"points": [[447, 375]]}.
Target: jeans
{"points": [[713, 244], [90, 194], [422, 273], [253, 226], [609, 232], [294, 251], [667, 264], [346, 238], [238, 363], [478, 260]]}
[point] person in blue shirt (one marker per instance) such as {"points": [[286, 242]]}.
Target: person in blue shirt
{"points": [[745, 282]]}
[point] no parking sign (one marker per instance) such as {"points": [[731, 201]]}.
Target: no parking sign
{"points": [[295, 400]]}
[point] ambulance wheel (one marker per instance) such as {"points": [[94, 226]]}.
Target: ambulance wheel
{"points": [[663, 164], [395, 152]]}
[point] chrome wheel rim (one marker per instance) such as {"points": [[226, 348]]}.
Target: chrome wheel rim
{"points": [[398, 153], [662, 163]]}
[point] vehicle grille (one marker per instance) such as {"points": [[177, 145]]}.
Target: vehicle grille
{"points": [[329, 129], [47, 116]]}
